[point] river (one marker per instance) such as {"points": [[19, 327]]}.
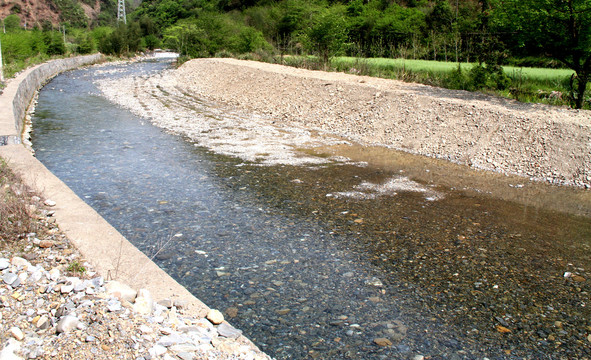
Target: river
{"points": [[385, 256]]}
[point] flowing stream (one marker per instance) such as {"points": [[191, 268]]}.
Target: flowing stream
{"points": [[400, 257]]}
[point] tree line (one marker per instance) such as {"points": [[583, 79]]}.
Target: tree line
{"points": [[491, 33], [542, 33]]}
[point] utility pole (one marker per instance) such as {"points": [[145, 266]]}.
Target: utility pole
{"points": [[1, 64], [121, 11]]}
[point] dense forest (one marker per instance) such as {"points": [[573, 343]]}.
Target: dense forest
{"points": [[489, 33]]}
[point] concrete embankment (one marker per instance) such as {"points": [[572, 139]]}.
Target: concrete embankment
{"points": [[110, 254]]}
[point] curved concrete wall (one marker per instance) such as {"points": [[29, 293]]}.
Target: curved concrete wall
{"points": [[20, 90]]}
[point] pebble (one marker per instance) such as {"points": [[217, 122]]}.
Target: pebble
{"points": [[4, 263], [67, 323], [382, 342], [50, 203], [227, 330], [121, 291], [16, 333], [215, 316]]}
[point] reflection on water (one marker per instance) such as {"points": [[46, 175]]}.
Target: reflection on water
{"points": [[307, 273]]}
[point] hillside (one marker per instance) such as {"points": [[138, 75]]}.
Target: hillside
{"points": [[41, 13]]}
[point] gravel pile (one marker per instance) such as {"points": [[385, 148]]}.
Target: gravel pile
{"points": [[53, 305], [545, 143]]}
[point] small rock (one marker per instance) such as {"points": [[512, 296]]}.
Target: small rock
{"points": [[50, 203], [66, 289], [157, 350], [185, 355], [54, 274], [403, 348], [232, 312], [114, 305], [121, 291], [4, 263], [180, 304], [16, 333], [228, 331], [67, 323], [19, 261], [46, 244], [143, 302], [282, 311], [382, 342], [167, 303], [215, 316], [10, 278], [145, 329], [418, 357], [43, 323], [90, 338]]}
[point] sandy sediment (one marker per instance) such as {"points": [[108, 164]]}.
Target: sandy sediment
{"points": [[545, 143]]}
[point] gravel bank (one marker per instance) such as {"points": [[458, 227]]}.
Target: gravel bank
{"points": [[541, 142]]}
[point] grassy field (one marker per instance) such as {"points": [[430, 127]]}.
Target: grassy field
{"points": [[441, 67], [549, 86]]}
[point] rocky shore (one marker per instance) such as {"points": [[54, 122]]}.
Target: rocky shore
{"points": [[53, 305]]}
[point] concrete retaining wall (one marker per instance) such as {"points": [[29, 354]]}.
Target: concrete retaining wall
{"points": [[20, 90]]}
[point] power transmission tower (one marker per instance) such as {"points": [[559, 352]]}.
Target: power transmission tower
{"points": [[121, 11]]}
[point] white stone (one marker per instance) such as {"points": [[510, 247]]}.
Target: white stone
{"points": [[157, 350], [54, 274], [143, 302], [50, 203], [19, 261], [145, 329], [67, 323], [16, 333], [4, 263], [121, 291], [66, 289]]}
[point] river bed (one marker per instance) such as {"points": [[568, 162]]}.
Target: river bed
{"points": [[367, 253]]}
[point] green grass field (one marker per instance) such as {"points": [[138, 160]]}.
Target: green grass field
{"points": [[525, 84], [443, 68]]}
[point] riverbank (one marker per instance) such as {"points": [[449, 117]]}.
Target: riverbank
{"points": [[551, 144], [54, 304], [284, 108]]}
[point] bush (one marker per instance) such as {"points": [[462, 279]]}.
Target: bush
{"points": [[12, 22], [15, 219], [151, 42]]}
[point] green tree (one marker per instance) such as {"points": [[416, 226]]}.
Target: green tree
{"points": [[12, 22], [327, 34], [557, 28]]}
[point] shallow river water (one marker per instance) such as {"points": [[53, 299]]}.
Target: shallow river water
{"points": [[334, 261]]}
